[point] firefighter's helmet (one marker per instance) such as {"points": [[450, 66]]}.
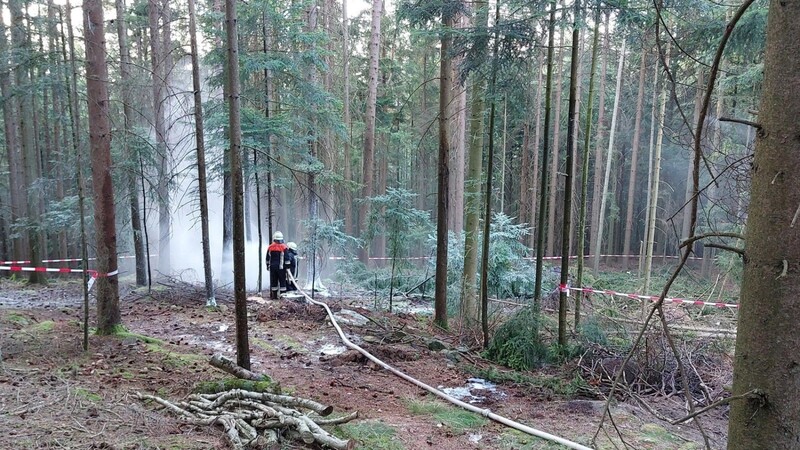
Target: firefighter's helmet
{"points": [[277, 237], [292, 246]]}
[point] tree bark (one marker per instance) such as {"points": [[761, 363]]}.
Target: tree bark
{"points": [[368, 158], [537, 289], [158, 62], [553, 191], [598, 143], [609, 160], [767, 340], [130, 173], [108, 312], [201, 158], [470, 313], [637, 132], [235, 157], [442, 196], [348, 175]]}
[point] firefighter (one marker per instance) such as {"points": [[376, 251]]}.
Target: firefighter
{"points": [[290, 263], [276, 266]]}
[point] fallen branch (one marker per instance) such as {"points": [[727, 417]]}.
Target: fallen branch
{"points": [[230, 366]]}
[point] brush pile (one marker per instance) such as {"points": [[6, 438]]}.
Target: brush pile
{"points": [[258, 419]]}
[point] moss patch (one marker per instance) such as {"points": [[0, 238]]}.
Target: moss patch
{"points": [[457, 419], [213, 387], [370, 434]]}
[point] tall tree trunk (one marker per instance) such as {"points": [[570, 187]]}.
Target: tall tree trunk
{"points": [[655, 184], [442, 196], [553, 191], [458, 125], [487, 222], [598, 143], [30, 154], [637, 132], [587, 135], [235, 149], [108, 312], [537, 289], [535, 194], [60, 110], [16, 175], [348, 176], [572, 111], [698, 100], [158, 62], [767, 338], [201, 158], [470, 313], [609, 160], [130, 157], [368, 158]]}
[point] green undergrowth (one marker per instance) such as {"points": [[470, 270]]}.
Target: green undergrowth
{"points": [[125, 334], [457, 419], [213, 387], [567, 387], [517, 440], [370, 435]]}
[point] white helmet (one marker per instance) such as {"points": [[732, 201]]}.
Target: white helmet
{"points": [[292, 246], [278, 236]]}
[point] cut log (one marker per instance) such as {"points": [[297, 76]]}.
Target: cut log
{"points": [[230, 366]]}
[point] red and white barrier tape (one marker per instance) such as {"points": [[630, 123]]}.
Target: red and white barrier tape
{"points": [[92, 273], [47, 261], [654, 298]]}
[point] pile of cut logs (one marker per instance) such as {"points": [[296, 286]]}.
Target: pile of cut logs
{"points": [[257, 419]]}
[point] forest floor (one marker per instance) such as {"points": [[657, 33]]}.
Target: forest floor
{"points": [[55, 395]]}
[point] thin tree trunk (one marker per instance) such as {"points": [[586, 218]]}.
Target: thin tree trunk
{"points": [[59, 108], [553, 191], [587, 134], [609, 160], [368, 158], [235, 149], [162, 185], [442, 196], [458, 124], [655, 183], [487, 222], [535, 194], [470, 313], [348, 176], [572, 111], [698, 101], [30, 154], [537, 290], [201, 158], [16, 176], [108, 312], [130, 173], [598, 143], [637, 132]]}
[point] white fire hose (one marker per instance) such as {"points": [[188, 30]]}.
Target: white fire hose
{"points": [[434, 391]]}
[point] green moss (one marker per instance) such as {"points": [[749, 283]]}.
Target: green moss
{"points": [[292, 344], [146, 339], [457, 419], [116, 330], [370, 435], [212, 387], [175, 359], [44, 327], [656, 434], [80, 392], [18, 319], [517, 440], [264, 345]]}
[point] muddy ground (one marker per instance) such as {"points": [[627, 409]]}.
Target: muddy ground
{"points": [[55, 395]]}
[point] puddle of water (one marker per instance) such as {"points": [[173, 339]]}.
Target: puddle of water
{"points": [[475, 391], [332, 349], [223, 328], [475, 438]]}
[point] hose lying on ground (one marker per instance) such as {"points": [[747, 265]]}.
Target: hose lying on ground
{"points": [[484, 412]]}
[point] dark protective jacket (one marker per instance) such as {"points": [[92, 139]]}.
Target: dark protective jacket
{"points": [[290, 259], [275, 256]]}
